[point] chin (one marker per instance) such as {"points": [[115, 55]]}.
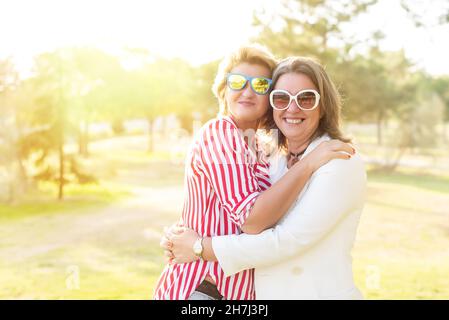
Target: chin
{"points": [[248, 116]]}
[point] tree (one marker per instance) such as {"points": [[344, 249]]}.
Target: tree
{"points": [[51, 111], [420, 14], [93, 74], [308, 27], [373, 85], [9, 136], [441, 86], [159, 88], [205, 104]]}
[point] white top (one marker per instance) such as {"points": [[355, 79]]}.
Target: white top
{"points": [[307, 255]]}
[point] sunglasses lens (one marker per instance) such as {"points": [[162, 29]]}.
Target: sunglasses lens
{"points": [[260, 85], [280, 100], [236, 81], [307, 100]]}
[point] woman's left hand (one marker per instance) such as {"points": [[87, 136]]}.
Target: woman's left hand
{"points": [[182, 246]]}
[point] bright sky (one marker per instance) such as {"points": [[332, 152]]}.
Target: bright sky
{"points": [[197, 30]]}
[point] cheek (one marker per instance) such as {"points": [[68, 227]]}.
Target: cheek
{"points": [[229, 96], [277, 116], [316, 118], [263, 101]]}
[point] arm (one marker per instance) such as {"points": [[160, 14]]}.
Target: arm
{"points": [[336, 190], [272, 204], [311, 219], [224, 164]]}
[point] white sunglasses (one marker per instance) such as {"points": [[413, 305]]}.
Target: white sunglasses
{"points": [[305, 99]]}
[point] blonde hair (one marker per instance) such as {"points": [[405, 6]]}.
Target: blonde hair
{"points": [[330, 101], [253, 54]]}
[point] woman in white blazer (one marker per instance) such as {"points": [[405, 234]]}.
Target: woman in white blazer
{"points": [[307, 254]]}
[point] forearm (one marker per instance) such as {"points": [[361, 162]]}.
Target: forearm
{"points": [[310, 221], [272, 204]]}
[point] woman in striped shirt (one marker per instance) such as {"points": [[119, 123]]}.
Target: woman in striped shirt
{"points": [[227, 187]]}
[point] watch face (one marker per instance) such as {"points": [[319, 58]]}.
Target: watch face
{"points": [[197, 247]]}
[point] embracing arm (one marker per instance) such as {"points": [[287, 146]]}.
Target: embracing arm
{"points": [[272, 204], [224, 162], [335, 191]]}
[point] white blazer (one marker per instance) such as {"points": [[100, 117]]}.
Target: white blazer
{"points": [[307, 255]]}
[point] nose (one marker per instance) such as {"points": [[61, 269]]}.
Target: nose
{"points": [[247, 91], [293, 106]]}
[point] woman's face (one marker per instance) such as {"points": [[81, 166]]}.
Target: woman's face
{"points": [[245, 106], [296, 124]]}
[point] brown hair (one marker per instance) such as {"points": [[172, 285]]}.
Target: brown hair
{"points": [[330, 101], [253, 54]]}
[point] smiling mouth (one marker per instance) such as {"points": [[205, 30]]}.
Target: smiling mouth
{"points": [[247, 103], [293, 121]]}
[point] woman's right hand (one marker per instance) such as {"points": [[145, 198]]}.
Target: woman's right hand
{"points": [[166, 243], [327, 151]]}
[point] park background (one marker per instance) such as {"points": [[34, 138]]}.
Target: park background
{"points": [[99, 101]]}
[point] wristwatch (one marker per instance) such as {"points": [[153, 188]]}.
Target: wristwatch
{"points": [[198, 248]]}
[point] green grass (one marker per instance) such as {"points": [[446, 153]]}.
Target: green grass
{"points": [[401, 250], [84, 271], [43, 201], [384, 279], [419, 180], [403, 238]]}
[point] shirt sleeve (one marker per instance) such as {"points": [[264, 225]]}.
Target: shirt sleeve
{"points": [[229, 166], [335, 191]]}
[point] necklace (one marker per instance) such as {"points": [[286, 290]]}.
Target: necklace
{"points": [[294, 157]]}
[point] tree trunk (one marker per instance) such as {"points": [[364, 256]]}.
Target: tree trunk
{"points": [[379, 128], [83, 140], [61, 169], [61, 123], [391, 167], [18, 182]]}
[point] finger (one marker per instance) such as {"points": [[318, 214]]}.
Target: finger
{"points": [[166, 244], [341, 155], [338, 145], [168, 233], [178, 230], [168, 254]]}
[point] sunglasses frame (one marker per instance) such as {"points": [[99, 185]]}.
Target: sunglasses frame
{"points": [[248, 79], [295, 98]]}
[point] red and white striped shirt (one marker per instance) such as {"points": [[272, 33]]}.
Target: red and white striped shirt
{"points": [[222, 181]]}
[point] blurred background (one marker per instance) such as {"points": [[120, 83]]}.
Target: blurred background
{"points": [[99, 101]]}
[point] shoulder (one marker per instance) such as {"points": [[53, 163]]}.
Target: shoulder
{"points": [[221, 135], [352, 169], [221, 125], [354, 165], [219, 122]]}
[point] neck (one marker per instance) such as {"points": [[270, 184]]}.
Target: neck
{"points": [[245, 125], [296, 147]]}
